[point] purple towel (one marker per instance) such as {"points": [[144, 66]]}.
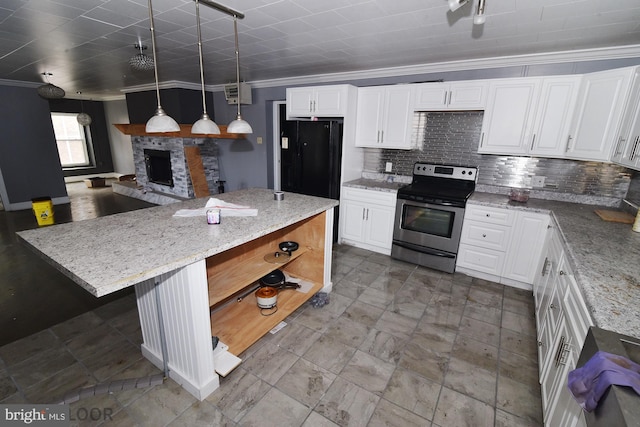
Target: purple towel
{"points": [[588, 383]]}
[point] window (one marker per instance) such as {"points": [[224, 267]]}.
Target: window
{"points": [[72, 140]]}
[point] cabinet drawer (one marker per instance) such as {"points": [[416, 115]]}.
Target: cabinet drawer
{"points": [[485, 235], [480, 259], [576, 311], [385, 198], [490, 215]]}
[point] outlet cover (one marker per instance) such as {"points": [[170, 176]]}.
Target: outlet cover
{"points": [[538, 181], [388, 167]]}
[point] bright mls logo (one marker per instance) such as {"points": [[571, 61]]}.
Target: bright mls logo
{"points": [[37, 415]]}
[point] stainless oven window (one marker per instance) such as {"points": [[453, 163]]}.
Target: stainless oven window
{"points": [[428, 220]]}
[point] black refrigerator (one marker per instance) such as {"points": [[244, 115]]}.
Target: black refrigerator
{"points": [[310, 158]]}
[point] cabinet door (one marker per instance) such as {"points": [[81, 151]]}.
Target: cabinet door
{"points": [[330, 101], [598, 114], [379, 226], [508, 116], [485, 235], [476, 258], [553, 116], [526, 245], [299, 102], [627, 148], [397, 117], [430, 96], [352, 218], [468, 95], [369, 116]]}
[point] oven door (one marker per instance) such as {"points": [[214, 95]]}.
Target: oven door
{"points": [[428, 225]]}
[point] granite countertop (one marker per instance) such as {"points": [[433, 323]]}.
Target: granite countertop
{"points": [[391, 186], [604, 256], [106, 254]]}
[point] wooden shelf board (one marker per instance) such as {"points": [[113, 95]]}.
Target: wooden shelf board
{"points": [[138, 129], [227, 274], [240, 324]]}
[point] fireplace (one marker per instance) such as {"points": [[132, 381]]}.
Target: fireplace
{"points": [[158, 165]]}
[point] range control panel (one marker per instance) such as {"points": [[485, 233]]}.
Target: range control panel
{"points": [[467, 173]]}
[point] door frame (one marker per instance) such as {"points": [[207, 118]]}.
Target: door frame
{"points": [[277, 179]]}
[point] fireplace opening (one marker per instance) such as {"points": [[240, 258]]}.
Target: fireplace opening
{"points": [[158, 163]]}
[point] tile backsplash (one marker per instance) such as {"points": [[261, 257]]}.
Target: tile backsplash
{"points": [[452, 138]]}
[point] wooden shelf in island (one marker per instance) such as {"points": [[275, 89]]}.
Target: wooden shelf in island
{"points": [[237, 270], [138, 129]]}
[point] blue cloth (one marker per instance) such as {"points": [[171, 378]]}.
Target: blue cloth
{"points": [[588, 383]]}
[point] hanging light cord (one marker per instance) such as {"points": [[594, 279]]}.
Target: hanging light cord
{"points": [[153, 48], [235, 30], [204, 101]]}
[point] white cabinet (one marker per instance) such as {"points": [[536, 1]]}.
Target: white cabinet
{"points": [[384, 117], [529, 116], [526, 246], [627, 148], [463, 95], [509, 115], [321, 101], [502, 245], [366, 218], [554, 110], [598, 114]]}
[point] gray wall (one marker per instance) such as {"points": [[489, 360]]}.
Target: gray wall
{"points": [[122, 152], [28, 155]]}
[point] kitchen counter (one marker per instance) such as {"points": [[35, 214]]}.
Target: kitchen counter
{"points": [[106, 254], [377, 185], [605, 258]]}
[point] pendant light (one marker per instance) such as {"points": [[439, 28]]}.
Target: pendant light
{"points": [[50, 91], [140, 61], [83, 118], [238, 125], [160, 122], [205, 125]]}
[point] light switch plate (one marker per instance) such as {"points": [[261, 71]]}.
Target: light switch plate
{"points": [[388, 167], [537, 181], [285, 143], [259, 140]]}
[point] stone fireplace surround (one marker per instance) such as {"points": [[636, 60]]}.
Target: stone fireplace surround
{"points": [[182, 186]]}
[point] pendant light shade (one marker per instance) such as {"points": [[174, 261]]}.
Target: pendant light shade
{"points": [[160, 122], [50, 91], [238, 125], [205, 125], [140, 61], [83, 118]]}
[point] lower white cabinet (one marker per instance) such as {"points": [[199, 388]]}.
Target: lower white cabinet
{"points": [[366, 218], [502, 245]]}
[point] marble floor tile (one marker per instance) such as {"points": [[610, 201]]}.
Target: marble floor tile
{"points": [[396, 324], [427, 278], [417, 292], [524, 325], [517, 367], [316, 420], [368, 372], [505, 419], [516, 342], [306, 382], [276, 409], [140, 369], [270, 363], [369, 266], [295, 338], [329, 354], [348, 288], [476, 353], [471, 380], [376, 297], [238, 393], [481, 331], [53, 389], [383, 346], [440, 316], [94, 411], [447, 301], [7, 386], [389, 415], [41, 366], [97, 340], [161, 405], [413, 392], [387, 283], [492, 299], [424, 362], [487, 285], [202, 414], [434, 338], [347, 331], [346, 404], [363, 313], [77, 325], [22, 349], [456, 409], [361, 277], [519, 306], [484, 313], [519, 399]]}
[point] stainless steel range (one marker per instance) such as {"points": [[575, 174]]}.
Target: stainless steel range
{"points": [[429, 215]]}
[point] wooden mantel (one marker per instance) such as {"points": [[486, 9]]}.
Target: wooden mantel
{"points": [[185, 132]]}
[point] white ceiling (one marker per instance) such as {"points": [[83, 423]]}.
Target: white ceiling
{"points": [[86, 44]]}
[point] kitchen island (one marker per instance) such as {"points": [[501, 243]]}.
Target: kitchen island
{"points": [[187, 274]]}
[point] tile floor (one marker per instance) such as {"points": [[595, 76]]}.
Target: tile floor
{"points": [[398, 345]]}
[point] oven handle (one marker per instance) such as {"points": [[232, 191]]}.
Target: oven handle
{"points": [[423, 249]]}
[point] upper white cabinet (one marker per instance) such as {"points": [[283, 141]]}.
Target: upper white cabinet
{"points": [[463, 95], [508, 115], [627, 147], [321, 101], [384, 117], [529, 116], [598, 114]]}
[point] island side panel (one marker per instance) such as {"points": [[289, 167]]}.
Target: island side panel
{"points": [[185, 318]]}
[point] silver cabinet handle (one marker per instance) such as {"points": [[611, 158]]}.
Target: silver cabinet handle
{"points": [[310, 106], [363, 209], [634, 151], [382, 137], [562, 273], [481, 139], [533, 140], [367, 214], [569, 138], [544, 266], [445, 98], [551, 306], [560, 351], [620, 141]]}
